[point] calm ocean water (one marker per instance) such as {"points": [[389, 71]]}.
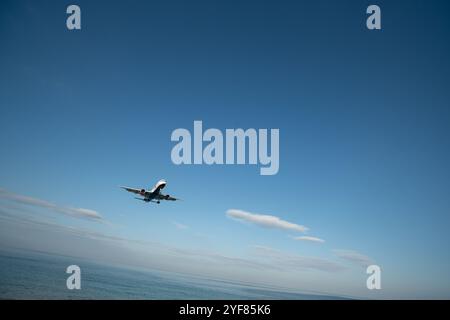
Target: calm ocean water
{"points": [[42, 276]]}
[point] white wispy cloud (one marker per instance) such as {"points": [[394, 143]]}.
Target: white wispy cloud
{"points": [[289, 261], [308, 238], [70, 211], [180, 225], [263, 220], [354, 257]]}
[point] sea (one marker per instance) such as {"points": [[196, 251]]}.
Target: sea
{"points": [[37, 276]]}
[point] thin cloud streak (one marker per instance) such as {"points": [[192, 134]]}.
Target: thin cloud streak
{"points": [[294, 262], [308, 238], [81, 213], [180, 226], [263, 220], [354, 257]]}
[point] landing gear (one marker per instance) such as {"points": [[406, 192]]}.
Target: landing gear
{"points": [[157, 202]]}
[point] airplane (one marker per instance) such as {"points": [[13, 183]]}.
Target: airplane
{"points": [[153, 195]]}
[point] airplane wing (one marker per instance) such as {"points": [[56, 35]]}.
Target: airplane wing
{"points": [[133, 190], [165, 197]]}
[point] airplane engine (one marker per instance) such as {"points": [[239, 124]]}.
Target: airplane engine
{"points": [[142, 191], [167, 197]]}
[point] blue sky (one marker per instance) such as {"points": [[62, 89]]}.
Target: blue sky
{"points": [[363, 118]]}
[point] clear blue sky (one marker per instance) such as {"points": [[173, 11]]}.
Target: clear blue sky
{"points": [[363, 118]]}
